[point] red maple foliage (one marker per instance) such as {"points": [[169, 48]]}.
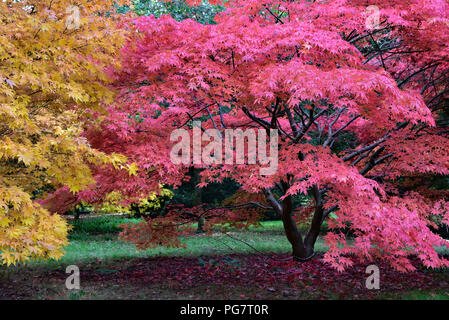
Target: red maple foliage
{"points": [[321, 76]]}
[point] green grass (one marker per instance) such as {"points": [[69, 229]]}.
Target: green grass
{"points": [[417, 295], [87, 244], [96, 239], [87, 250]]}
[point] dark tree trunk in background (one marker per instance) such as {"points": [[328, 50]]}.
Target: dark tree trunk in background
{"points": [[76, 215], [200, 225]]}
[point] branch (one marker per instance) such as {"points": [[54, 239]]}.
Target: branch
{"points": [[265, 124], [274, 203], [369, 147], [275, 16], [328, 211]]}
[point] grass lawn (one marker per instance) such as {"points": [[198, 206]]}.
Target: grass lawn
{"points": [[97, 240], [86, 245], [217, 266]]}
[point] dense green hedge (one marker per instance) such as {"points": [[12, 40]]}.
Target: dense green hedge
{"points": [[100, 225]]}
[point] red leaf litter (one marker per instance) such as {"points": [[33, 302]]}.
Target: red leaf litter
{"points": [[270, 274]]}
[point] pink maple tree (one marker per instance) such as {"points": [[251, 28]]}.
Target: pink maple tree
{"points": [[321, 76]]}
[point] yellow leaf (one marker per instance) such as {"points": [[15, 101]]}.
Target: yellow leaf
{"points": [[132, 169]]}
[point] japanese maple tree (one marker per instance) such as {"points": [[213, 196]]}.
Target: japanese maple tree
{"points": [[52, 60], [357, 107]]}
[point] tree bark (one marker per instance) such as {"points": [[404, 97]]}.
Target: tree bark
{"points": [[291, 229], [317, 220], [198, 199], [301, 249]]}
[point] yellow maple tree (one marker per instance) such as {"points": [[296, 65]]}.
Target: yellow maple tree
{"points": [[52, 59]]}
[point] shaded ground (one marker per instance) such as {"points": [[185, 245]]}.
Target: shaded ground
{"points": [[234, 276], [245, 264]]}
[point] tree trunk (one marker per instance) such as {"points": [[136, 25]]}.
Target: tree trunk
{"points": [[291, 229], [301, 249], [76, 214], [198, 199], [200, 228], [293, 234], [317, 220]]}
